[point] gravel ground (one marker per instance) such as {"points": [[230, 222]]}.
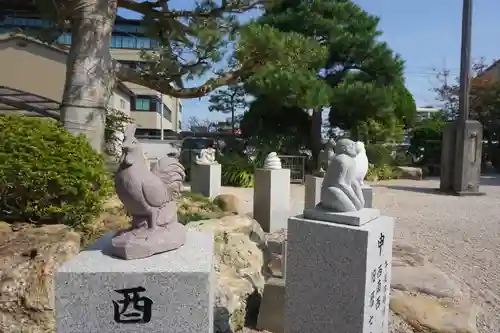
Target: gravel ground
{"points": [[461, 235]]}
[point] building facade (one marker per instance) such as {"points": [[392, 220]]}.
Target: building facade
{"points": [[33, 76], [151, 110]]}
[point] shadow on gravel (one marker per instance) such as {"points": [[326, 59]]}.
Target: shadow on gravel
{"points": [[413, 189], [493, 180]]}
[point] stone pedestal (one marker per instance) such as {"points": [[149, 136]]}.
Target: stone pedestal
{"points": [[271, 307], [312, 191], [461, 152], [368, 195], [206, 179], [171, 291], [338, 275], [271, 198]]}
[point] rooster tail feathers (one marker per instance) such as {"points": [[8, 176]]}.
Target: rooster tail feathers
{"points": [[172, 173]]}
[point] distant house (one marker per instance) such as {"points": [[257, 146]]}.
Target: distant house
{"points": [[491, 73], [427, 112]]}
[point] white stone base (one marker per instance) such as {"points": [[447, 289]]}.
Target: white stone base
{"points": [[177, 283], [338, 277], [206, 179], [312, 191], [355, 218], [271, 198]]}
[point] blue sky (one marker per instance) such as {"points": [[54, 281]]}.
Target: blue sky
{"points": [[426, 33]]}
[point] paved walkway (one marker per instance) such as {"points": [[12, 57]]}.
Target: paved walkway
{"points": [[461, 235]]}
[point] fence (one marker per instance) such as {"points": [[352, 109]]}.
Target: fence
{"points": [[297, 166]]}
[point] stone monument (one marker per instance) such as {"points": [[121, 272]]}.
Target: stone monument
{"points": [[169, 284], [349, 249], [149, 197], [206, 174], [362, 165], [173, 290], [271, 198]]}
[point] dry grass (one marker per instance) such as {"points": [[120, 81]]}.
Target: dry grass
{"points": [[191, 207]]}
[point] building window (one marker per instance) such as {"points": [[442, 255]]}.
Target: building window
{"points": [[167, 113], [129, 28], [122, 103], [132, 42], [64, 39], [142, 104]]}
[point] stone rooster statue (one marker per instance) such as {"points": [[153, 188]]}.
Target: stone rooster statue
{"points": [[149, 197]]}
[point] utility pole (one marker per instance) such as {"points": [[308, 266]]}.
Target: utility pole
{"points": [[461, 150], [445, 72], [161, 116]]}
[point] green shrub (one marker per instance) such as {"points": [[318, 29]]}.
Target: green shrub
{"points": [[384, 172], [379, 155], [47, 175], [238, 170], [425, 142], [403, 158], [196, 207]]}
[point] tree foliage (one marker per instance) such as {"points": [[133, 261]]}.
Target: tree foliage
{"points": [[349, 53], [228, 100], [275, 127], [484, 98], [370, 111]]}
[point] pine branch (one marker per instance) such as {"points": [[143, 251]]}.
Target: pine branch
{"points": [[152, 9]]}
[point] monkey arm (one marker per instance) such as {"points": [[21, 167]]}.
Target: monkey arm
{"points": [[359, 194], [348, 190]]}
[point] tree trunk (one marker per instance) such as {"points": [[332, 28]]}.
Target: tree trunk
{"points": [[89, 74], [232, 120], [316, 125]]}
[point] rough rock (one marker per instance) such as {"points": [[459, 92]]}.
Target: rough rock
{"points": [[239, 261], [4, 229], [425, 298], [275, 241], [411, 173], [412, 272], [28, 260], [434, 315], [229, 203], [406, 255], [424, 279]]}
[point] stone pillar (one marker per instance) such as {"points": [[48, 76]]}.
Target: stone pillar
{"points": [[271, 198], [98, 293], [206, 179], [368, 195], [338, 272], [271, 310], [312, 191]]}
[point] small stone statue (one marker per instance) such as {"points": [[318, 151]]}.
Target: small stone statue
{"points": [[272, 162], [341, 192], [149, 196], [206, 156], [361, 162]]}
